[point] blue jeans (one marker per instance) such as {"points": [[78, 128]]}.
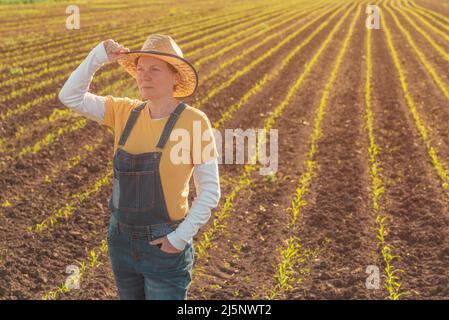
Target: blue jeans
{"points": [[143, 271]]}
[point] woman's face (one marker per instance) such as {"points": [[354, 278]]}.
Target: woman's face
{"points": [[155, 78]]}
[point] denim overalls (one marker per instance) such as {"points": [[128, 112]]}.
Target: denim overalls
{"points": [[139, 215]]}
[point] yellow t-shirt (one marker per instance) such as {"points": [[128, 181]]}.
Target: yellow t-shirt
{"points": [[145, 135]]}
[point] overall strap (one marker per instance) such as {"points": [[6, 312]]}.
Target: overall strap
{"points": [[130, 123], [170, 124]]}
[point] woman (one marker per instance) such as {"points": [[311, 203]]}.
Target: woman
{"points": [[151, 226]]}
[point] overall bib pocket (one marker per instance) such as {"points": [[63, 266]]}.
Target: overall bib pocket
{"points": [[135, 190]]}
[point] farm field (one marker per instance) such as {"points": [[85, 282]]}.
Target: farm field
{"points": [[362, 115]]}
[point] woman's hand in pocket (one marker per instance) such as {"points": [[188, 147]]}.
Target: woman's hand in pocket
{"points": [[165, 245]]}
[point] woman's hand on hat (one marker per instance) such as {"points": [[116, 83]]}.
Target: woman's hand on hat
{"points": [[165, 245], [114, 50]]}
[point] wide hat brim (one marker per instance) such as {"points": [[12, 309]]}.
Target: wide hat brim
{"points": [[188, 74]]}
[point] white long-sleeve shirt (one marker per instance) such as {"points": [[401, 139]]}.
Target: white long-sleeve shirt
{"points": [[75, 95]]}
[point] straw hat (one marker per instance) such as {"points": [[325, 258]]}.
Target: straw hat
{"points": [[164, 47]]}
